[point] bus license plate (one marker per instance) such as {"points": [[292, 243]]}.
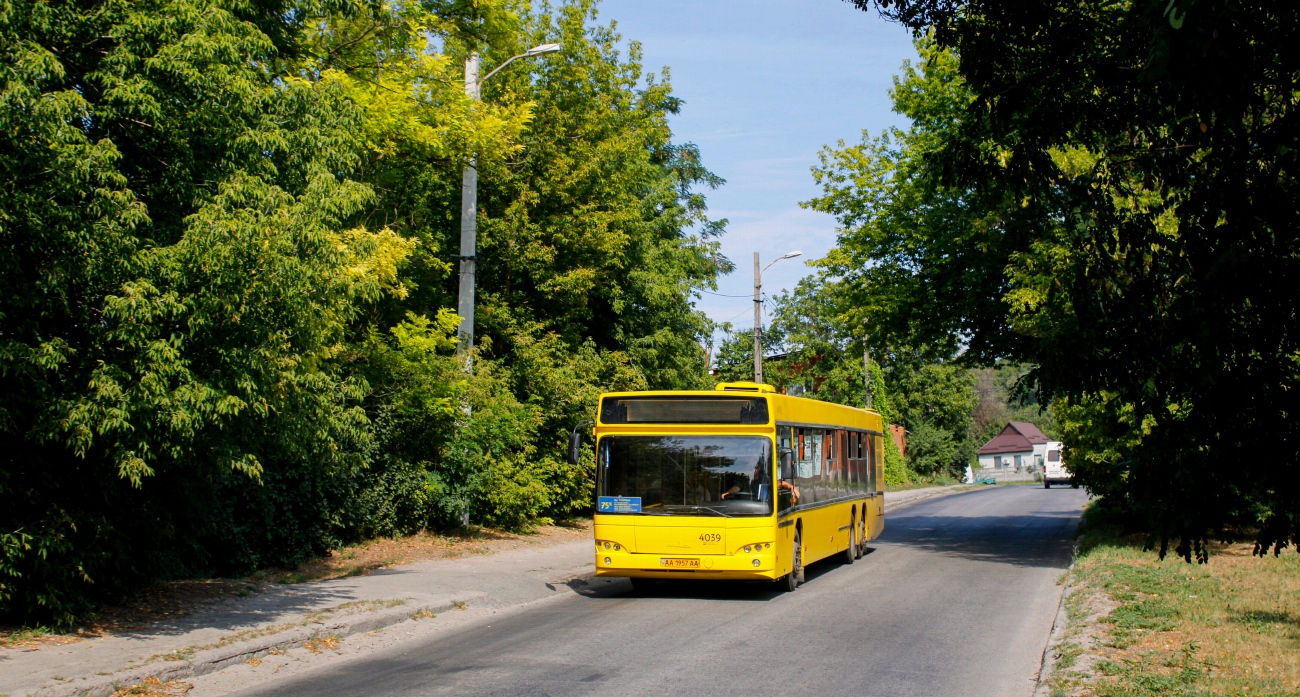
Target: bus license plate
{"points": [[680, 563]]}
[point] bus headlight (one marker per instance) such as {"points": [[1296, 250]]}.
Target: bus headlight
{"points": [[746, 549], [607, 562], [756, 562], [615, 546], [606, 545]]}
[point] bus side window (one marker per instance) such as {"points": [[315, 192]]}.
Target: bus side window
{"points": [[871, 464], [857, 470], [850, 484], [815, 467], [803, 477], [846, 459], [831, 473], [864, 475], [785, 438]]}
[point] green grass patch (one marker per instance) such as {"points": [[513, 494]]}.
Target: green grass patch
{"points": [[24, 635], [1229, 627]]}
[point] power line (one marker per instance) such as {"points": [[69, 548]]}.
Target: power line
{"points": [[724, 295]]}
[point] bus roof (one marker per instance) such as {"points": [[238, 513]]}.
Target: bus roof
{"points": [[784, 409]]}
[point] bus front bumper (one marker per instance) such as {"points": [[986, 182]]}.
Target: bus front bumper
{"points": [[696, 566]]}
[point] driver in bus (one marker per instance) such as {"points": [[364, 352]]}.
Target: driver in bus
{"points": [[759, 477]]}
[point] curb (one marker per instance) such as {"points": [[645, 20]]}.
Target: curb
{"points": [[948, 491], [1048, 665], [212, 660]]}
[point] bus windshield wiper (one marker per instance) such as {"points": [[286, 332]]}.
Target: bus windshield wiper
{"points": [[711, 510]]}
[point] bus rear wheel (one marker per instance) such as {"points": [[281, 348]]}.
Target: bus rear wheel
{"points": [[851, 552]]}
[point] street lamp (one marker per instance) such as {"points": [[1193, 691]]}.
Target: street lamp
{"points": [[469, 203], [758, 316]]}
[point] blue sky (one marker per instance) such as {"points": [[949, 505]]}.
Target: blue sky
{"points": [[766, 85]]}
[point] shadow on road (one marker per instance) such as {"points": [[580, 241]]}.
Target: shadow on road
{"points": [[621, 589], [1034, 533], [692, 589], [1042, 539]]}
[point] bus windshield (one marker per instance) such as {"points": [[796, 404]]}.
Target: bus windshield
{"points": [[688, 475]]}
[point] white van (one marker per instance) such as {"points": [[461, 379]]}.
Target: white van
{"points": [[1054, 471]]}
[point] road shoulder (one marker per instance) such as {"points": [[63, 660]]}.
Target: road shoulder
{"points": [[897, 500], [318, 613], [1133, 623]]}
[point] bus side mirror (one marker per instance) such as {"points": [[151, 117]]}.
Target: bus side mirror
{"points": [[575, 447], [787, 463]]}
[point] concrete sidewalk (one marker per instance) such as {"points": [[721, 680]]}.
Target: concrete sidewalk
{"points": [[238, 629], [241, 628], [895, 500]]}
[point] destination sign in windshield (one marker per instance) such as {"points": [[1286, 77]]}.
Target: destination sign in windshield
{"points": [[683, 410]]}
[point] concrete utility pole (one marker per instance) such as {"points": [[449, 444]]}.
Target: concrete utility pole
{"points": [[758, 312], [866, 369], [468, 227], [758, 322], [469, 205]]}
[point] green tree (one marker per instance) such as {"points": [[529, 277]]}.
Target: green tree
{"points": [[177, 268], [224, 274], [933, 401], [596, 231], [1134, 166], [936, 404], [592, 237], [1005, 395], [909, 252]]}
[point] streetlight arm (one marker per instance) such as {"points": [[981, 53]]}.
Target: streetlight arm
{"points": [[508, 61], [534, 51], [791, 255]]}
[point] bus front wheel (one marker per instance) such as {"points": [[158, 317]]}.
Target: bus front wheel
{"points": [[791, 580]]}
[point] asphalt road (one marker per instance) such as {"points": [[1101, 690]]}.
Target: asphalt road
{"points": [[957, 598]]}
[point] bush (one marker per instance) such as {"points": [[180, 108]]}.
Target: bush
{"points": [[931, 451]]}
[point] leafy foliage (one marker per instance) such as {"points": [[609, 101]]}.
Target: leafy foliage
{"points": [[933, 401], [177, 270], [1005, 395], [224, 340], [598, 193], [1127, 222]]}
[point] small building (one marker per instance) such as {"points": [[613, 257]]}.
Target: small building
{"points": [[1018, 446], [899, 434]]}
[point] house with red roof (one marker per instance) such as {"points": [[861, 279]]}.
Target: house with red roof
{"points": [[1020, 445]]}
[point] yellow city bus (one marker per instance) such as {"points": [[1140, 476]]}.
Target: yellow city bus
{"points": [[740, 483]]}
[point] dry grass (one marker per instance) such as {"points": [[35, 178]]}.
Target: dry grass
{"points": [[35, 637], [317, 644], [153, 687], [1229, 627], [166, 601], [361, 559], [349, 608]]}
